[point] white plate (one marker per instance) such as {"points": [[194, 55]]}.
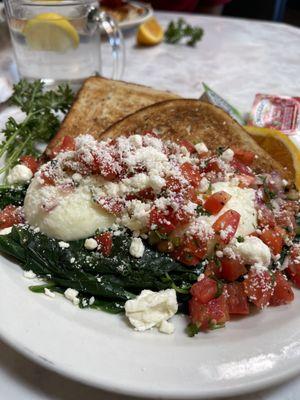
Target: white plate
{"points": [[133, 23], [102, 350]]}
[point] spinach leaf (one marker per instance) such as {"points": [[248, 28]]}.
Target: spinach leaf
{"points": [[12, 195]]}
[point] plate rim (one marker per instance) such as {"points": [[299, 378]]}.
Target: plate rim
{"points": [[139, 20]]}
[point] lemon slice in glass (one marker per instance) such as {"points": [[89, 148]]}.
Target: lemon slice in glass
{"points": [[50, 32]]}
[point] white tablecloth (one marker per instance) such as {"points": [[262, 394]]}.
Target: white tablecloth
{"points": [[237, 58]]}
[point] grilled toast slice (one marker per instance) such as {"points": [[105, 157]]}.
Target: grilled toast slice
{"points": [[195, 121], [102, 102]]}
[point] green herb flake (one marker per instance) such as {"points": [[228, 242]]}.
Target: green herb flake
{"points": [[179, 30], [240, 239], [192, 330]]}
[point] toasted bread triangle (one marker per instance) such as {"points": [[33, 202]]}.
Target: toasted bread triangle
{"points": [[195, 121], [102, 102]]}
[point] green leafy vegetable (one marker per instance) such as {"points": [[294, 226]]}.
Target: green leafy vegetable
{"points": [[41, 121], [12, 195], [111, 280], [180, 29]]}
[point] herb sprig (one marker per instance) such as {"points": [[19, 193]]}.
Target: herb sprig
{"points": [[180, 29], [41, 121]]}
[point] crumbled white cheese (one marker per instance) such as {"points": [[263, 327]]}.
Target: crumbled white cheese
{"points": [[19, 174], [29, 274], [137, 247], [149, 309], [201, 148], [253, 252], [63, 245], [227, 155], [71, 294], [91, 300], [243, 201], [90, 244], [5, 231], [166, 327], [204, 185], [49, 293]]}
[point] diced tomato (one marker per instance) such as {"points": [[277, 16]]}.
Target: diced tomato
{"points": [[212, 166], [283, 293], [191, 173], [144, 194], [265, 217], [246, 180], [30, 163], [236, 298], [47, 178], [9, 216], [232, 268], [212, 270], [174, 184], [188, 145], [258, 287], [161, 220], [205, 316], [244, 156], [293, 268], [273, 239], [112, 205], [216, 202], [241, 168], [105, 242], [190, 252], [204, 290], [68, 144], [286, 220], [226, 225]]}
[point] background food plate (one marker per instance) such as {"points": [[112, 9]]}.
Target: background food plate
{"points": [[133, 23], [102, 350]]}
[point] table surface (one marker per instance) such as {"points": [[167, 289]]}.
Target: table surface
{"points": [[237, 58]]}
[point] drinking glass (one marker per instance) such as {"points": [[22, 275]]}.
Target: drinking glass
{"points": [[59, 40]]}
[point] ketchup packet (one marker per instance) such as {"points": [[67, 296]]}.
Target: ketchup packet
{"points": [[278, 112]]}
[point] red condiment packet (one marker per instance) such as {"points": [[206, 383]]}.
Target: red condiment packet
{"points": [[278, 112]]}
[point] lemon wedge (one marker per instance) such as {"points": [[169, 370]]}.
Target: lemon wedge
{"points": [[50, 32], [280, 147], [150, 33]]}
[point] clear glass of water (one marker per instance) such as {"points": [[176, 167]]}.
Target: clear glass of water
{"points": [[59, 40]]}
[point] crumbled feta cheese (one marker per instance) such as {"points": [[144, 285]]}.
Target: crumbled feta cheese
{"points": [[63, 245], [201, 148], [29, 274], [91, 300], [77, 177], [137, 247], [227, 155], [19, 174], [200, 277], [243, 201], [166, 327], [253, 252], [219, 253], [149, 309], [71, 294], [5, 231], [72, 260], [90, 244], [284, 182], [204, 185], [49, 293]]}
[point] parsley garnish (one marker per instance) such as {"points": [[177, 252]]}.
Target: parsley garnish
{"points": [[40, 123], [240, 239], [180, 29], [192, 329]]}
